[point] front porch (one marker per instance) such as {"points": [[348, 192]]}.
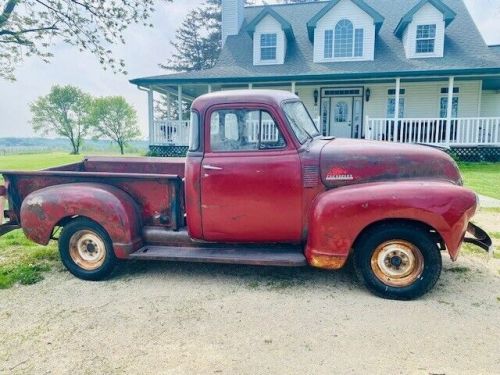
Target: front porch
{"points": [[445, 111]]}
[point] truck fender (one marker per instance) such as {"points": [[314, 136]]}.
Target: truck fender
{"points": [[339, 216], [108, 206]]}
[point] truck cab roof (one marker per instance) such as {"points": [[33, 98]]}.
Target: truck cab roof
{"points": [[270, 97]]}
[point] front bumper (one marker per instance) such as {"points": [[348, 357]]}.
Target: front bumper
{"points": [[479, 238]]}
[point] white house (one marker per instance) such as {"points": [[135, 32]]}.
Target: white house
{"points": [[394, 70]]}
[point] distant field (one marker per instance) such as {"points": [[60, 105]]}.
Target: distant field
{"points": [[41, 161]]}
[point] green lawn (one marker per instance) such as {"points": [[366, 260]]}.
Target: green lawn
{"points": [[484, 178], [37, 161]]}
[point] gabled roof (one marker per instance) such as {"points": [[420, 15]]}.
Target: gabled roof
{"points": [[268, 11], [466, 53], [448, 15], [378, 19]]}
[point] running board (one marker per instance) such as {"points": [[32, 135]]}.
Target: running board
{"points": [[243, 255]]}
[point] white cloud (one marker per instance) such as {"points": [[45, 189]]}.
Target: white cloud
{"points": [[144, 50]]}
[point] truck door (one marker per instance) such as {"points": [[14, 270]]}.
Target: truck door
{"points": [[251, 188]]}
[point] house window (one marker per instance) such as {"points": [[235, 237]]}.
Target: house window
{"points": [[443, 107], [328, 44], [347, 41], [426, 37], [268, 46], [391, 107], [358, 43], [343, 39]]}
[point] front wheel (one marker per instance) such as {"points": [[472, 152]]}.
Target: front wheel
{"points": [[86, 250], [398, 261]]}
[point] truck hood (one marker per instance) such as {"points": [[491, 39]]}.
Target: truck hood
{"points": [[349, 161]]}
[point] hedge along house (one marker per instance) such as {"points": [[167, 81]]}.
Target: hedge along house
{"points": [[395, 70]]}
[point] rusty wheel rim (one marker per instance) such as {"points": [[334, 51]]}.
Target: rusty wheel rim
{"points": [[397, 263], [87, 250]]}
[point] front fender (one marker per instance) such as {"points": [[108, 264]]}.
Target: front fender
{"points": [[108, 206], [340, 215]]}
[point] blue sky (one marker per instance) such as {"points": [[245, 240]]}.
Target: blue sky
{"points": [[145, 48]]}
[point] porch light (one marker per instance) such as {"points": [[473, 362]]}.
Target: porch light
{"points": [[368, 93], [316, 97]]}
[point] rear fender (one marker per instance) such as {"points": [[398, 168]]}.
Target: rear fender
{"points": [[339, 216], [108, 206]]}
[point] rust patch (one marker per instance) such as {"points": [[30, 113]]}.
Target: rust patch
{"points": [[328, 262]]}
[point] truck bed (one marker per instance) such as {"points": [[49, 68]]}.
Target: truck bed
{"points": [[155, 184]]}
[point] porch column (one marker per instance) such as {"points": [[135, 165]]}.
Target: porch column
{"points": [[209, 89], [151, 118], [250, 86], [293, 87], [449, 112], [396, 110], [179, 102]]}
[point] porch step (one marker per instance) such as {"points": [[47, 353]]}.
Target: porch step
{"points": [[244, 255]]}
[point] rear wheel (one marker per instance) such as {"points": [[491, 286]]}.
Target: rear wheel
{"points": [[398, 261], [86, 250]]}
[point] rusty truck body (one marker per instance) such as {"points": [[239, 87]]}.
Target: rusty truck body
{"points": [[260, 186]]}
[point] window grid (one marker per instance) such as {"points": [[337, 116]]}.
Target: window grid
{"points": [[358, 43], [268, 46], [328, 53], [343, 39], [426, 37]]}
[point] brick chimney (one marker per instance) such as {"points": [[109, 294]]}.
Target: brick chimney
{"points": [[232, 17]]}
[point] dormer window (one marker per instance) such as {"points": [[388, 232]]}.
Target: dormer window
{"points": [[268, 46], [426, 38], [422, 29], [345, 42], [344, 31]]}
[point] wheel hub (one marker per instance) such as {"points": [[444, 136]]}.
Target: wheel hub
{"points": [[87, 250], [397, 263]]}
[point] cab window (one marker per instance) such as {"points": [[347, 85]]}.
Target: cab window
{"points": [[244, 130]]}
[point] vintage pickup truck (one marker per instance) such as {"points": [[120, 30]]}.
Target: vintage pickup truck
{"points": [[260, 186]]}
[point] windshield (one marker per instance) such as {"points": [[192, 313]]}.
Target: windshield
{"points": [[300, 121]]}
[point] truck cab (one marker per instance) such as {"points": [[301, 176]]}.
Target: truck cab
{"points": [[260, 185]]}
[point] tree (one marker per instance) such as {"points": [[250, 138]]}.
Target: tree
{"points": [[30, 28], [114, 118], [66, 112], [198, 40]]}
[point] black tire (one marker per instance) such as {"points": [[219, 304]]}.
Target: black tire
{"points": [[97, 270], [425, 276]]}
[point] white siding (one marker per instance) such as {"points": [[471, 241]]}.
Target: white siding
{"points": [[427, 15], [269, 25], [360, 19], [306, 94], [232, 17], [423, 99], [490, 104]]}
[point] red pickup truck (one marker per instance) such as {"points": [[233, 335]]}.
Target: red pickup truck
{"points": [[260, 186]]}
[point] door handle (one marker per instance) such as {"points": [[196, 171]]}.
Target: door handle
{"points": [[212, 168]]}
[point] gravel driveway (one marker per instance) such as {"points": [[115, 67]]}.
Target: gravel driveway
{"points": [[155, 318]]}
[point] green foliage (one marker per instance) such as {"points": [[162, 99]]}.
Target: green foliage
{"points": [[22, 261], [66, 112], [114, 118], [198, 40], [31, 28]]}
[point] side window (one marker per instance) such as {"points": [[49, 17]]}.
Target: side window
{"points": [[244, 130]]}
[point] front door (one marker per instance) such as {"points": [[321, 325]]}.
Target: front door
{"points": [[251, 184], [342, 112], [341, 117]]}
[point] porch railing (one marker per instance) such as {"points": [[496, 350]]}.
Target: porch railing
{"points": [[466, 131], [170, 132]]}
